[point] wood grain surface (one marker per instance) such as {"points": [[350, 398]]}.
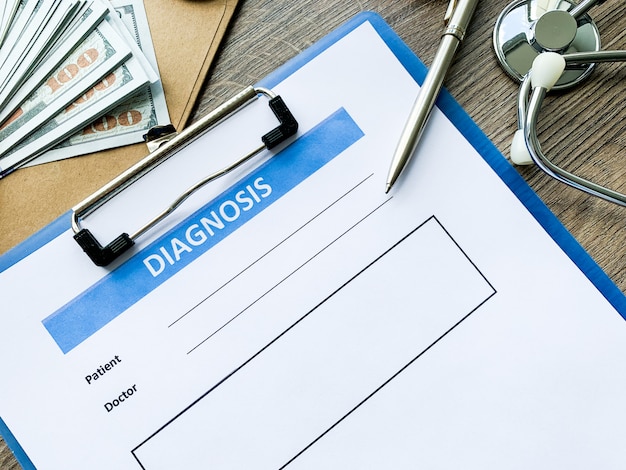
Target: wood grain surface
{"points": [[583, 128]]}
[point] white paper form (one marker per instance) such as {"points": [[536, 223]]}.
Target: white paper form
{"points": [[295, 316]]}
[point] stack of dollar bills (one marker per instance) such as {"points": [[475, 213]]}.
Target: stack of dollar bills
{"points": [[75, 77]]}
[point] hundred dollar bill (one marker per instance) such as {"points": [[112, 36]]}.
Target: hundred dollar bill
{"points": [[123, 82], [129, 121], [10, 10], [96, 57], [89, 20], [22, 18], [125, 26], [126, 124], [40, 43], [29, 39], [67, 27], [64, 31]]}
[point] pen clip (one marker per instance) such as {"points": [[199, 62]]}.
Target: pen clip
{"points": [[449, 11]]}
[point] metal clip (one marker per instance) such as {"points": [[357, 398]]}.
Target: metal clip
{"points": [[449, 11], [159, 135], [168, 144]]}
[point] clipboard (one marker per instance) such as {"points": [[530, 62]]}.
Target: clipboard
{"points": [[186, 36], [489, 371]]}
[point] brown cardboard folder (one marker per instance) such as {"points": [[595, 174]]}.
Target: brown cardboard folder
{"points": [[186, 35]]}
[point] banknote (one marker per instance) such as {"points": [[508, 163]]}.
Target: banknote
{"points": [[96, 57], [123, 82], [90, 18], [127, 17], [129, 121], [47, 17], [40, 39], [78, 75], [8, 14], [126, 124], [40, 44], [24, 14]]}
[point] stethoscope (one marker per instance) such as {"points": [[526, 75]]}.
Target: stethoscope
{"points": [[549, 45]]}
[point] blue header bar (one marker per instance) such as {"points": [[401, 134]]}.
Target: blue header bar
{"points": [[145, 271]]}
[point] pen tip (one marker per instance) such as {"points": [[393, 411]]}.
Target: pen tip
{"points": [[388, 188]]}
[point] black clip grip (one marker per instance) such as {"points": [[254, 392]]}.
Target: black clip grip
{"points": [[288, 125], [102, 256]]}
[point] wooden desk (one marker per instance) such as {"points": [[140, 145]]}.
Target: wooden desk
{"points": [[266, 33]]}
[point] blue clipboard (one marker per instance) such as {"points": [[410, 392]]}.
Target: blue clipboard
{"points": [[455, 114]]}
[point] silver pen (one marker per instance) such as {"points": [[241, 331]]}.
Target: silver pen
{"points": [[457, 19]]}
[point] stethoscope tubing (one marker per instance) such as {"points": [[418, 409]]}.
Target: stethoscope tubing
{"points": [[528, 116]]}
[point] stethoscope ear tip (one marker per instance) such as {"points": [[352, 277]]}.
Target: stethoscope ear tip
{"points": [[519, 151], [546, 70]]}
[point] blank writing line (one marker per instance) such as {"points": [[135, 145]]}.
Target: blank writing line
{"points": [[291, 274], [269, 251]]}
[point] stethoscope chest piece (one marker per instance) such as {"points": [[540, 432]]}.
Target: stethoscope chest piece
{"points": [[526, 28], [546, 45]]}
